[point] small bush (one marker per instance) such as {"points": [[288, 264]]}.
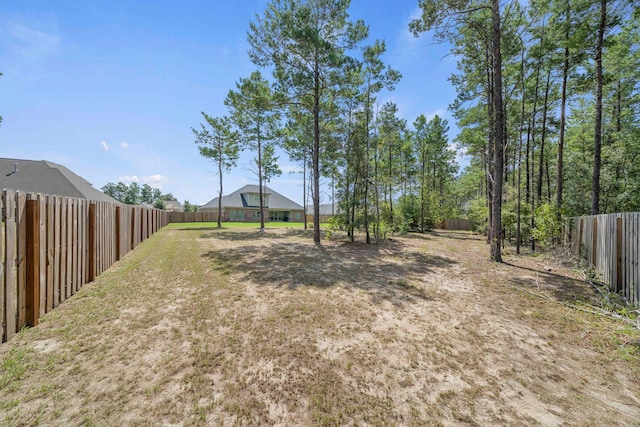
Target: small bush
{"points": [[547, 227], [478, 214]]}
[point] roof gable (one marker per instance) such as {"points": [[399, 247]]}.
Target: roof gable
{"points": [[237, 199], [41, 176]]}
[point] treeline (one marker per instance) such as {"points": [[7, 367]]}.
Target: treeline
{"points": [[547, 105], [136, 194], [321, 107]]}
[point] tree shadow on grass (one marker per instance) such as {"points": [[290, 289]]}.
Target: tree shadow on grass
{"points": [[252, 234], [457, 235], [384, 271], [563, 288]]}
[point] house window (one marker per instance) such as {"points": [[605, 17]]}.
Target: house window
{"points": [[297, 216], [255, 215], [253, 199], [236, 215], [279, 215]]}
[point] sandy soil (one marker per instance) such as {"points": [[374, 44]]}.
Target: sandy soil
{"points": [[234, 327]]}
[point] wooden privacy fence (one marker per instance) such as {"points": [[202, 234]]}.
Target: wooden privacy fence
{"points": [[193, 217], [455, 224], [53, 245], [611, 244]]}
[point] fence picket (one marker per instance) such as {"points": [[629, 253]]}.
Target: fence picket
{"points": [[56, 251], [11, 281], [611, 243], [2, 270], [32, 261], [21, 224], [42, 254], [49, 258], [53, 245]]}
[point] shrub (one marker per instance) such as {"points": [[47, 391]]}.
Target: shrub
{"points": [[547, 227], [478, 214]]}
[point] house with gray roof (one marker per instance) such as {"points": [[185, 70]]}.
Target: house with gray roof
{"points": [[243, 205], [173, 206], [41, 176]]}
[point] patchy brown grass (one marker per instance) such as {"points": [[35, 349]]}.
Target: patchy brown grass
{"points": [[234, 327]]}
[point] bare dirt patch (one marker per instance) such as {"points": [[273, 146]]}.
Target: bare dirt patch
{"points": [[235, 327]]}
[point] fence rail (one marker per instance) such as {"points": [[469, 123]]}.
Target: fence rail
{"points": [[53, 245], [611, 244]]}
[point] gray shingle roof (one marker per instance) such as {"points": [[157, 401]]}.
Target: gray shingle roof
{"points": [[41, 176], [173, 205], [237, 199]]}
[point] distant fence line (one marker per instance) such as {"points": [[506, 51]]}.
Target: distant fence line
{"points": [[53, 245], [611, 244], [455, 224], [179, 217]]}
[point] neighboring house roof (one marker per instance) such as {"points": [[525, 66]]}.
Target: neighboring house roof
{"points": [[328, 209], [173, 205], [41, 176], [237, 199]]}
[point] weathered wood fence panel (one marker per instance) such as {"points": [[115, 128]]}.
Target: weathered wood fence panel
{"points": [[53, 245], [179, 217], [455, 224], [611, 244]]}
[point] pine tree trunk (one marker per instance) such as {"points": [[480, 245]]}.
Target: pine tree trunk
{"points": [[563, 109], [519, 203], [260, 195], [304, 188], [316, 155], [390, 184], [545, 108], [422, 190], [366, 169], [490, 144], [597, 149], [220, 193], [496, 225]]}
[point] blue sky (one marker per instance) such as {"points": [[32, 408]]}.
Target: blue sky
{"points": [[111, 89]]}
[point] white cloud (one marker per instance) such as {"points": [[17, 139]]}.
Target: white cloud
{"points": [[105, 145], [154, 179], [126, 179], [405, 34], [32, 43], [124, 145], [441, 112]]}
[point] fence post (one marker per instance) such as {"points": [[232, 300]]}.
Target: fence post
{"points": [[50, 249], [618, 286], [57, 250], [32, 261], [118, 231], [10, 301], [594, 241], [2, 275], [69, 248], [580, 230], [21, 223], [42, 234], [92, 242]]}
